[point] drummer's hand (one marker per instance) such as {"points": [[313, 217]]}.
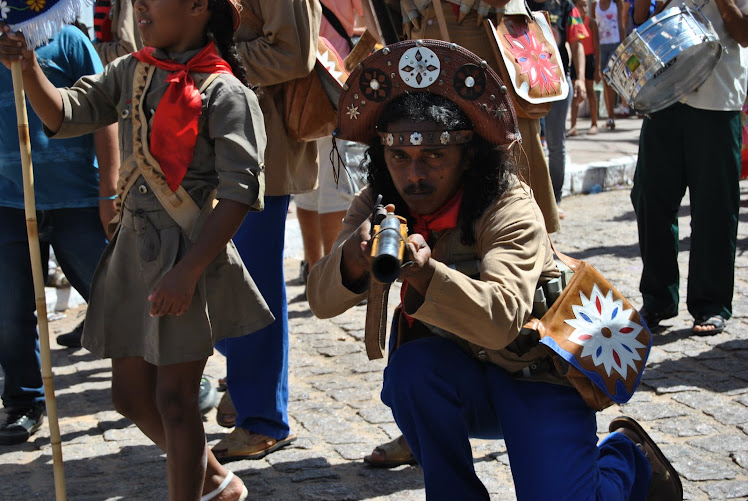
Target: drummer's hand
{"points": [[13, 47], [579, 90]]}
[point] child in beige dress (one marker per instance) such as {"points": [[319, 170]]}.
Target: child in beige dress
{"points": [[170, 284]]}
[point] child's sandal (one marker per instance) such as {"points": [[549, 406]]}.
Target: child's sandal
{"points": [[218, 490]]}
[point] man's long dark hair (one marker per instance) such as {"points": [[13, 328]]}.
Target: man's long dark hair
{"points": [[487, 177]]}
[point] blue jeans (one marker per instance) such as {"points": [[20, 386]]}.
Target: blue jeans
{"points": [[257, 364], [78, 240], [440, 397], [555, 136]]}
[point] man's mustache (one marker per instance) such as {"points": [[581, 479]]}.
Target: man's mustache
{"points": [[418, 189]]}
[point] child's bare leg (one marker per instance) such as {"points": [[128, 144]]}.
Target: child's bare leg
{"points": [[177, 389], [134, 396], [590, 86]]}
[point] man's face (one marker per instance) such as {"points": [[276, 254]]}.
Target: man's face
{"points": [[426, 176]]}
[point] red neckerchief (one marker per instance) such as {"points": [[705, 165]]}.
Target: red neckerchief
{"points": [[174, 132], [445, 218]]}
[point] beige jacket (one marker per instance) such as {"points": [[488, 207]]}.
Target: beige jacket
{"points": [[125, 33], [483, 314], [285, 50]]}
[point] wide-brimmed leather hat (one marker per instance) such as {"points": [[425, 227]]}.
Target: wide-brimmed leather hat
{"points": [[431, 66]]}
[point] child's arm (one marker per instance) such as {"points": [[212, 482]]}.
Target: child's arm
{"points": [[43, 96], [173, 294], [107, 156]]}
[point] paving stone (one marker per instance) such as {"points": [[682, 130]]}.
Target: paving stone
{"points": [[327, 493], [376, 414], [308, 474], [740, 458], [727, 490], [699, 466], [354, 452], [291, 460], [653, 411], [722, 443], [698, 400], [686, 426], [729, 413], [338, 349]]}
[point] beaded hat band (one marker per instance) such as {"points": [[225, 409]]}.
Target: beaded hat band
{"points": [[434, 138]]}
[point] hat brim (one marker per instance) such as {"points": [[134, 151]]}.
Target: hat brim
{"points": [[426, 66]]}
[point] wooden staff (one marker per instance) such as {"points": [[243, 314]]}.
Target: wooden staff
{"points": [[38, 275]]}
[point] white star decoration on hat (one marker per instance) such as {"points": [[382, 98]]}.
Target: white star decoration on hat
{"points": [[353, 112]]}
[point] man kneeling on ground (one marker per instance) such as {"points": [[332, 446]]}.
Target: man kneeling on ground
{"points": [[439, 129]]}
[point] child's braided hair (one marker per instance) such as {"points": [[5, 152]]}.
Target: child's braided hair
{"points": [[221, 28]]}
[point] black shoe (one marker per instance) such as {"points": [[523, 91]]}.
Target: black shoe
{"points": [[208, 397], [653, 319], [73, 338], [21, 423]]}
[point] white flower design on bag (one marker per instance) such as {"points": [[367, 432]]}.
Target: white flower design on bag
{"points": [[605, 330], [4, 9]]}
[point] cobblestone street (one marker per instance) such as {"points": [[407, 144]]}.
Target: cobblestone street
{"points": [[693, 399]]}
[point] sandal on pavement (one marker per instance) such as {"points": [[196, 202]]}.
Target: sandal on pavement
{"points": [[653, 319], [242, 444], [716, 321], [218, 490], [665, 484], [611, 124], [592, 130], [395, 453], [572, 132], [225, 412]]}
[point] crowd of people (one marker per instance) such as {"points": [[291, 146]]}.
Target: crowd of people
{"points": [[176, 240]]}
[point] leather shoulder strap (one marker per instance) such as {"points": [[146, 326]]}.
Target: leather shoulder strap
{"points": [[250, 19], [180, 206], [572, 263]]}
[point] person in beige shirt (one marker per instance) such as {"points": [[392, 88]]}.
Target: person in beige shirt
{"points": [[125, 35], [459, 367], [277, 42]]}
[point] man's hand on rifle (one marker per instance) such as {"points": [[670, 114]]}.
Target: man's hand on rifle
{"points": [[421, 268]]}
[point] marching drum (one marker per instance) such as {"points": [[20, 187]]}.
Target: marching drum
{"points": [[664, 60]]}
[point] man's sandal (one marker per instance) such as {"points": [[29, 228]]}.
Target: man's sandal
{"points": [[242, 444], [395, 453], [225, 412], [716, 321], [665, 484], [218, 490]]}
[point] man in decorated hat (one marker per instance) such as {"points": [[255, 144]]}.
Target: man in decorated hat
{"points": [[440, 127]]}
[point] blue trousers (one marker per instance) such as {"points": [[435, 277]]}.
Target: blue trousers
{"points": [[440, 397], [555, 135], [257, 364], [78, 240]]}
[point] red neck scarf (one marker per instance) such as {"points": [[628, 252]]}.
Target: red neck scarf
{"points": [[174, 132], [445, 218]]}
